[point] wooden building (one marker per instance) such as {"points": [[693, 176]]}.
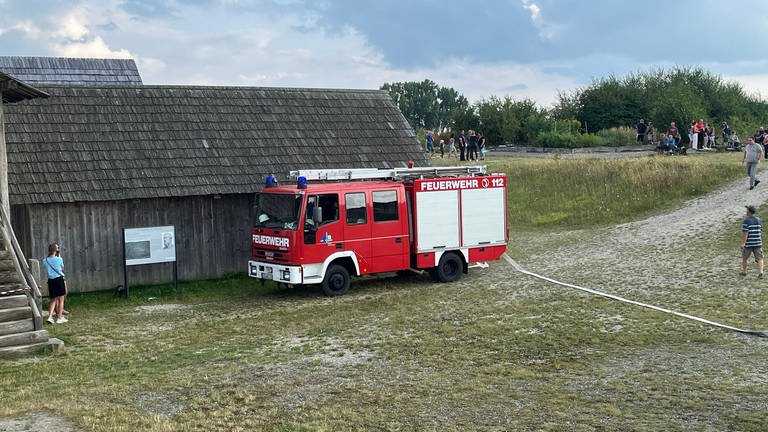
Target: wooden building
{"points": [[91, 160]]}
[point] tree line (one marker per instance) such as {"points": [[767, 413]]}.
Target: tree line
{"points": [[603, 113]]}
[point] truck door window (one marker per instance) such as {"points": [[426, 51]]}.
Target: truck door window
{"points": [[356, 212], [329, 205], [385, 206]]}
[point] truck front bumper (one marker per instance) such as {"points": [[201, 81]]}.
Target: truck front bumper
{"points": [[276, 272]]}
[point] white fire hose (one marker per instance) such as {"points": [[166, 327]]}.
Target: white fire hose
{"points": [[519, 268]]}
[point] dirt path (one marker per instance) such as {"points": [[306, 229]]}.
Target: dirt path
{"points": [[710, 213], [37, 422]]}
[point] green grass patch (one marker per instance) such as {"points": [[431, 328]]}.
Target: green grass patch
{"points": [[576, 193]]}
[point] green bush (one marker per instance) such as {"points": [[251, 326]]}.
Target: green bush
{"points": [[589, 140], [568, 140], [556, 140], [618, 136]]}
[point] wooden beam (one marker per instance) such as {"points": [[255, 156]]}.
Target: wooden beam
{"points": [[8, 85]]}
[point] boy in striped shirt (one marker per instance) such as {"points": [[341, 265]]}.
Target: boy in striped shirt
{"points": [[752, 241]]}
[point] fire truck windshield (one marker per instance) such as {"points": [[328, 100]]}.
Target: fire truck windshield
{"points": [[277, 211]]}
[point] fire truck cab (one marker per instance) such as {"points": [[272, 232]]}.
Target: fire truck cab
{"points": [[331, 224]]}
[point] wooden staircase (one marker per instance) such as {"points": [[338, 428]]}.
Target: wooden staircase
{"points": [[21, 321]]}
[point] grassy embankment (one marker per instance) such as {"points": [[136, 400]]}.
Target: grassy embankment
{"points": [[493, 351]]}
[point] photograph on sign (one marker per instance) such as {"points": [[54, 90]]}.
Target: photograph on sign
{"points": [[167, 240], [150, 245], [137, 250]]}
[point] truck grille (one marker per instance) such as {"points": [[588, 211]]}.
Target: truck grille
{"points": [[270, 255]]}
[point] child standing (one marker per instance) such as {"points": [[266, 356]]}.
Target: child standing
{"points": [[57, 288]]}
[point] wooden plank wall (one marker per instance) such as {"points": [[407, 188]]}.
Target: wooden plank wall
{"points": [[212, 237]]}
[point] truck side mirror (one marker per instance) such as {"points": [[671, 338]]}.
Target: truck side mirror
{"points": [[317, 215]]}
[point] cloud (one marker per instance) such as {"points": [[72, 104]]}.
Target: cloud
{"points": [[429, 33], [150, 9], [534, 9], [110, 27], [500, 79], [522, 48], [151, 66], [546, 30], [27, 29], [515, 87], [95, 47], [72, 37]]}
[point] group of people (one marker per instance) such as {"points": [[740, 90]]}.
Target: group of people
{"points": [[669, 142], [470, 146], [752, 228], [701, 136]]}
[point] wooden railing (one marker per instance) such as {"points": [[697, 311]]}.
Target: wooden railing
{"points": [[31, 290]]}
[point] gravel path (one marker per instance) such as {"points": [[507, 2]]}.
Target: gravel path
{"points": [[697, 217]]}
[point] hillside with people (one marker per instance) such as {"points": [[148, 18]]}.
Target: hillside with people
{"points": [[606, 112]]}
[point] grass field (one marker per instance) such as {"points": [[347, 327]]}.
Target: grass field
{"points": [[494, 351]]}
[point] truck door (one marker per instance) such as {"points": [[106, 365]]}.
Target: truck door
{"points": [[324, 235], [389, 232], [357, 228]]}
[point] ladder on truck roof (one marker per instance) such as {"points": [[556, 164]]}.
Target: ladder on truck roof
{"points": [[387, 173]]}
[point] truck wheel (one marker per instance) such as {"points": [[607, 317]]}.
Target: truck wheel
{"points": [[336, 281], [449, 268], [433, 274]]}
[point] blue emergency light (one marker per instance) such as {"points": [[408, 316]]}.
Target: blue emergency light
{"points": [[271, 181], [301, 182]]}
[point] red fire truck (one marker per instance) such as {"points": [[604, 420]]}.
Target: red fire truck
{"points": [[334, 223]]}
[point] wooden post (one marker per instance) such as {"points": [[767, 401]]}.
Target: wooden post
{"points": [[3, 162], [126, 289], [34, 268]]}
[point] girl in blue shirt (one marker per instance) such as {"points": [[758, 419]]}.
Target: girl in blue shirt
{"points": [[57, 288]]}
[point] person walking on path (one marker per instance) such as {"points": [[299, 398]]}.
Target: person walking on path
{"points": [[430, 144], [753, 152], [752, 241], [57, 287]]}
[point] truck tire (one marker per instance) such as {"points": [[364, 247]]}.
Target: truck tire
{"points": [[336, 281], [449, 268]]}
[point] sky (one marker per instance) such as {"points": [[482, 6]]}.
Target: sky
{"points": [[523, 49]]}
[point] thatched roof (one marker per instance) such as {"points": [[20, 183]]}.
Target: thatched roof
{"points": [[108, 143], [62, 70]]}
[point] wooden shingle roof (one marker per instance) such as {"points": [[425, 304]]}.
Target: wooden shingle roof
{"points": [[107, 143], [13, 90], [64, 70]]}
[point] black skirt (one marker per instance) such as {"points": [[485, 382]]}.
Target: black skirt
{"points": [[56, 287]]}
